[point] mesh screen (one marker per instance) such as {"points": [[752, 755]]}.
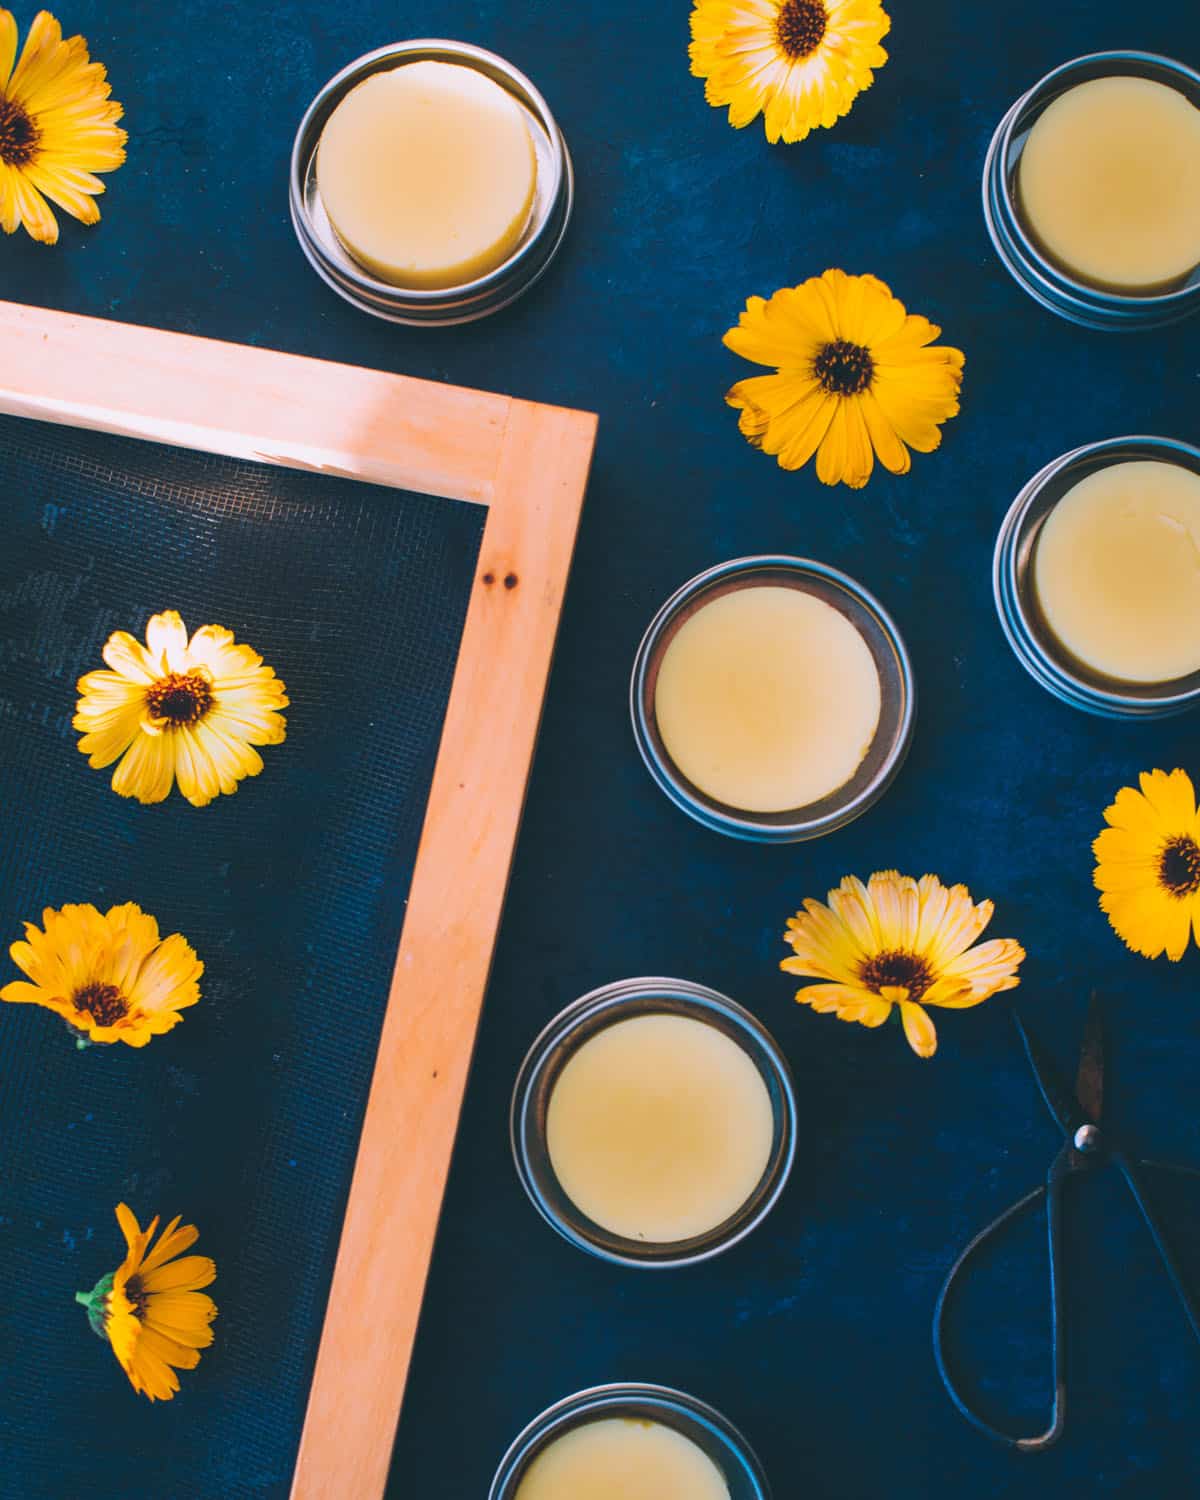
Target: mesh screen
{"points": [[245, 1118]]}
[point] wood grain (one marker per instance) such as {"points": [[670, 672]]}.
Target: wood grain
{"points": [[445, 954], [528, 464], [250, 403]]}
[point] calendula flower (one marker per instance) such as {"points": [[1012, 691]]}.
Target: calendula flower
{"points": [[901, 942], [857, 376], [109, 975], [151, 1309], [179, 710], [1148, 865], [58, 128], [798, 63]]}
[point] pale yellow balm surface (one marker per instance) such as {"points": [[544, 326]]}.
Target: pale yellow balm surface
{"points": [[427, 173], [659, 1128], [1109, 182], [1117, 571], [619, 1459], [767, 699]]}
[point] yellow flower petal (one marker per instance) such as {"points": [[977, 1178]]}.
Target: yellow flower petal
{"points": [[107, 974], [845, 455], [898, 941], [919, 1029], [175, 710], [855, 378], [776, 58], [8, 46], [166, 643], [154, 1315], [987, 968], [1171, 797], [1148, 865], [60, 128], [59, 188]]}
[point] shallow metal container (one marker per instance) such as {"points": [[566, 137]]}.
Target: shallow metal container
{"points": [[1035, 645], [712, 1433], [554, 1048], [897, 716], [1045, 281], [441, 305]]}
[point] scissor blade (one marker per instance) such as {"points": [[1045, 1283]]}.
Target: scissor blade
{"points": [[1061, 1103], [1089, 1081]]}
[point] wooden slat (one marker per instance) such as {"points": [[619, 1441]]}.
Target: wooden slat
{"points": [[449, 933], [250, 403]]}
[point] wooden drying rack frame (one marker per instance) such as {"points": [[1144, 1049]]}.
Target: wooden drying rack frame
{"points": [[528, 465]]}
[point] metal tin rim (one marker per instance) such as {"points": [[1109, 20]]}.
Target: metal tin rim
{"points": [[1054, 288], [689, 1413], [746, 825], [1056, 674], [702, 1002], [426, 306]]}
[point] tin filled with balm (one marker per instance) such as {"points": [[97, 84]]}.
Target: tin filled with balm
{"points": [[773, 699], [1091, 190], [630, 1442], [1097, 577], [430, 183], [654, 1123]]}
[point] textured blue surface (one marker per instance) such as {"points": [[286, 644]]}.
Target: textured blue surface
{"points": [[814, 1335], [292, 892]]}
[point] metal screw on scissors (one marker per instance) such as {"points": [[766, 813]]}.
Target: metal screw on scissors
{"points": [[1086, 1146]]}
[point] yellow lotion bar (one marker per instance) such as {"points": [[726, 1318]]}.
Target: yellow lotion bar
{"points": [[659, 1128], [1109, 182], [767, 699], [619, 1459], [427, 173], [1117, 571]]}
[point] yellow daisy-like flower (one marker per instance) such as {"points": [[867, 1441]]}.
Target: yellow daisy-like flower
{"points": [[151, 1308], [857, 376], [108, 974], [898, 941], [58, 128], [179, 710], [798, 63], [1148, 865]]}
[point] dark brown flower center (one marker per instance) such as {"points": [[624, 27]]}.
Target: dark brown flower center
{"points": [[897, 969], [180, 697], [844, 369], [1179, 866], [103, 1002], [800, 26], [136, 1295], [19, 136]]}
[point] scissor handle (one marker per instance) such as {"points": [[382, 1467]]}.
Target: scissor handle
{"points": [[1052, 1191]]}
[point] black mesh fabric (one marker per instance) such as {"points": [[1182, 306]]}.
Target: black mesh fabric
{"points": [[245, 1118]]}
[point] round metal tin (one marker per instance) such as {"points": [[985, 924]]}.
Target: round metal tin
{"points": [[568, 1031], [1047, 283], [896, 721], [442, 305], [1035, 645], [712, 1433]]}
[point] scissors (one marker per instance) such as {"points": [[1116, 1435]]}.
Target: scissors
{"points": [[1086, 1147]]}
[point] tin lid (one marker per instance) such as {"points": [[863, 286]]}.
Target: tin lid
{"points": [[554, 1046], [1046, 282], [893, 735], [713, 1433], [486, 294], [1033, 642]]}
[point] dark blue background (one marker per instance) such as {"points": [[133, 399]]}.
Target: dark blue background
{"points": [[814, 1335]]}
